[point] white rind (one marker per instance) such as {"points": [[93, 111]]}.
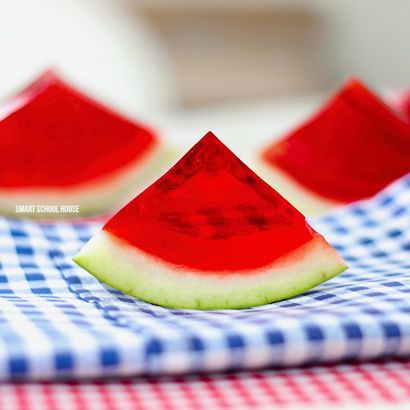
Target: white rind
{"points": [[306, 201], [134, 272], [101, 194]]}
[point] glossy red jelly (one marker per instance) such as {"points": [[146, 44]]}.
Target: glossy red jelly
{"points": [[58, 137], [210, 212], [404, 105], [349, 150]]}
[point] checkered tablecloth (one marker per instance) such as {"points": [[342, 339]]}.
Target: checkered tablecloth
{"points": [[353, 386], [57, 320]]}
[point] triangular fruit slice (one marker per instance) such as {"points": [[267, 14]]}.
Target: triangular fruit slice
{"points": [[210, 234], [59, 147], [350, 150]]}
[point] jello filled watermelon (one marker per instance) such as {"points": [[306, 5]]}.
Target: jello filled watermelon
{"points": [[210, 234], [59, 147], [350, 150]]}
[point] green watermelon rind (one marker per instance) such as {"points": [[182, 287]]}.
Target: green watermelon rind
{"points": [[94, 196], [306, 201], [124, 267]]}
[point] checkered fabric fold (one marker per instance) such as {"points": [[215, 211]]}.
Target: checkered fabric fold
{"points": [[57, 320], [357, 386]]}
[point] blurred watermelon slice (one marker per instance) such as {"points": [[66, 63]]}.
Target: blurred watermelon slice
{"points": [[57, 146], [349, 150], [210, 234]]}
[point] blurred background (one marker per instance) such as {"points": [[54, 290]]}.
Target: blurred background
{"points": [[248, 70]]}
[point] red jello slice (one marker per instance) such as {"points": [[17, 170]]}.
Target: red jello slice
{"points": [[210, 212], [58, 137], [351, 149]]}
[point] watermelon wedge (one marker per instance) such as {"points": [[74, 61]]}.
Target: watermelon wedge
{"points": [[57, 146], [350, 150], [210, 234]]}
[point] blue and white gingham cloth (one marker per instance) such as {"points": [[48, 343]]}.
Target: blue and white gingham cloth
{"points": [[57, 320]]}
